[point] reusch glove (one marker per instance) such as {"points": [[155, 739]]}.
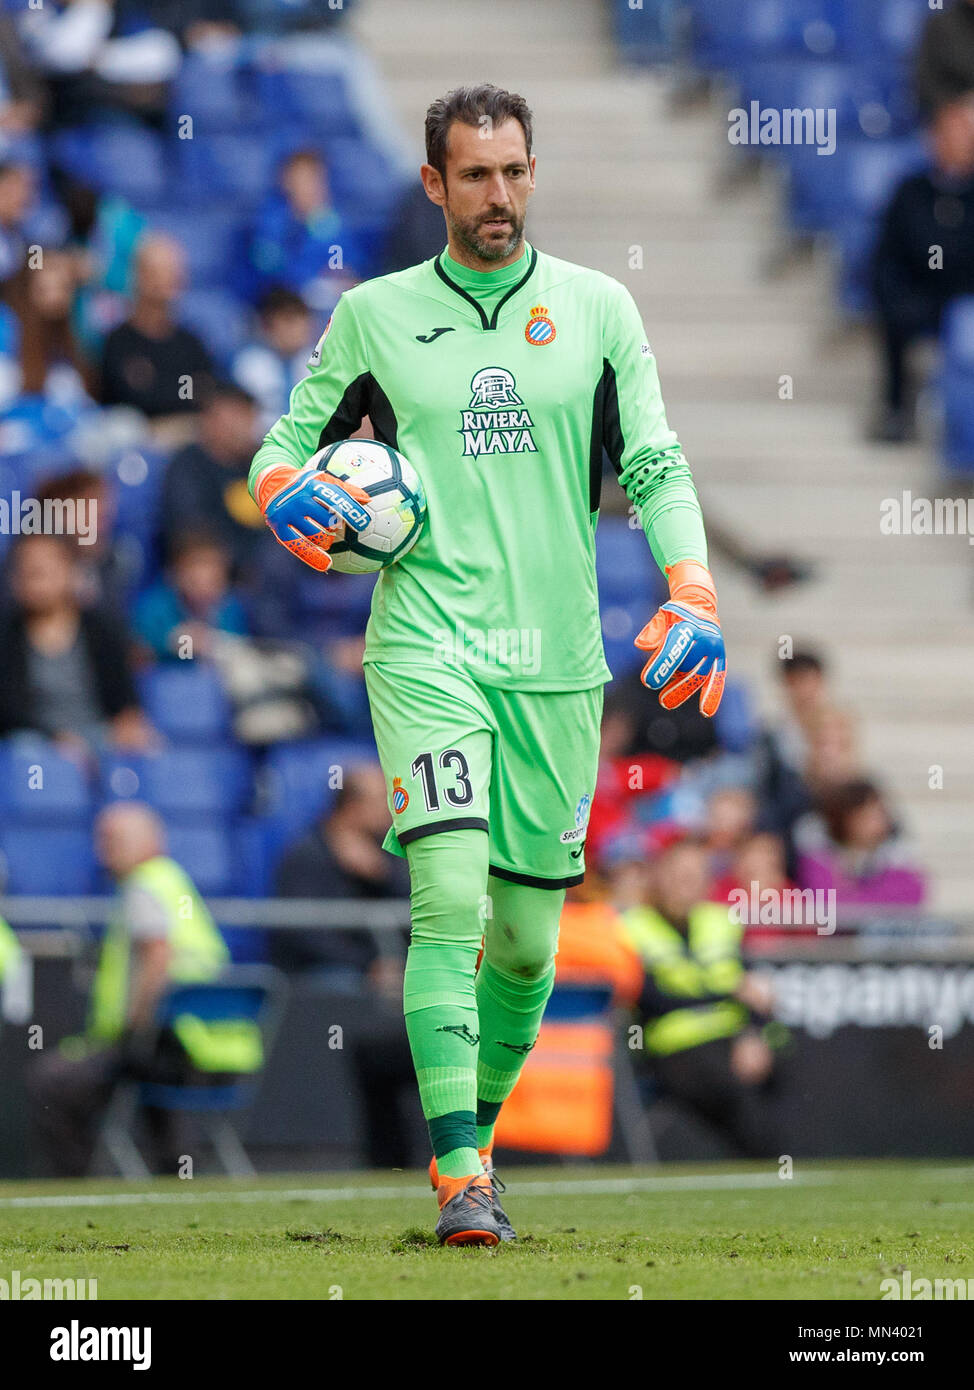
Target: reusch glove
{"points": [[684, 641], [306, 510]]}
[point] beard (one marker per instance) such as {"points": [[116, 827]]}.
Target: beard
{"points": [[467, 233]]}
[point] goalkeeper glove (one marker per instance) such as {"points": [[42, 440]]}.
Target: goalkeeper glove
{"points": [[306, 510], [684, 641]]}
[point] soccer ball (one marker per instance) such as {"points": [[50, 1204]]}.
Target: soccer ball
{"points": [[398, 503]]}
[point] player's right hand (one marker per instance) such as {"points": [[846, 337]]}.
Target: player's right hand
{"points": [[308, 510]]}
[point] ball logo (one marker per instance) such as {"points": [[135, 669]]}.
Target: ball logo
{"points": [[540, 330], [400, 796]]}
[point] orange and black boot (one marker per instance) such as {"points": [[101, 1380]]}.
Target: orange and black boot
{"points": [[466, 1211]]}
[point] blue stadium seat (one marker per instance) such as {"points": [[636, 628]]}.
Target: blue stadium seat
{"points": [[624, 565], [362, 179], [313, 103], [211, 236], [207, 854], [189, 783], [51, 860], [39, 786], [295, 780], [957, 386], [724, 36], [858, 180], [217, 317], [872, 27], [187, 703], [868, 98], [216, 89], [125, 159], [228, 165]]}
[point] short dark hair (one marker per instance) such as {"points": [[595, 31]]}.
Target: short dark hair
{"points": [[838, 803], [279, 299], [469, 105], [802, 659]]}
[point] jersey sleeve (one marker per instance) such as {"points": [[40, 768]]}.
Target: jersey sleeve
{"points": [[326, 405], [644, 451]]}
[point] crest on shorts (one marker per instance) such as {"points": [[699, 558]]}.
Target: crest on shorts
{"points": [[400, 796]]}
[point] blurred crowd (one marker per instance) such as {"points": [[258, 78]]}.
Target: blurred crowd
{"points": [[924, 256]]}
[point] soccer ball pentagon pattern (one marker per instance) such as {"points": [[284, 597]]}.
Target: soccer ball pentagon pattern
{"points": [[398, 503]]}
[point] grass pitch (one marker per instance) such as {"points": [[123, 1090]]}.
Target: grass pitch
{"points": [[833, 1231]]}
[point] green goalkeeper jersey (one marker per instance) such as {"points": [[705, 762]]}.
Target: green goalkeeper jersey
{"points": [[501, 388]]}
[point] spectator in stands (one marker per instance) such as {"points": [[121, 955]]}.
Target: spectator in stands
{"points": [[150, 361], [759, 867], [415, 233], [945, 57], [924, 258], [151, 940], [52, 364], [103, 233], [66, 668], [341, 857], [702, 1010], [300, 239], [854, 848], [102, 564], [178, 618], [100, 57], [17, 192], [271, 365], [206, 482], [804, 688], [730, 818], [23, 96]]}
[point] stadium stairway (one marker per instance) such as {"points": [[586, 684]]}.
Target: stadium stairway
{"points": [[623, 174]]}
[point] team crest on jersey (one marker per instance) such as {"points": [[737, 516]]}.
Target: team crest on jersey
{"points": [[496, 421], [540, 331], [400, 796]]}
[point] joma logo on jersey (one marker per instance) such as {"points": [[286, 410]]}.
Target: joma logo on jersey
{"points": [[496, 421]]}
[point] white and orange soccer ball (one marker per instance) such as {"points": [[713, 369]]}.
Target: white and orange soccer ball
{"points": [[397, 503]]}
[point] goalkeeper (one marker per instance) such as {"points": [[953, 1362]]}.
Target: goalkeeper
{"points": [[501, 373]]}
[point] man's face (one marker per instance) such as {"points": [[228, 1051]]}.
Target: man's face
{"points": [[489, 179], [44, 576]]}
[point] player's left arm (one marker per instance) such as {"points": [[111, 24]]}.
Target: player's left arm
{"points": [[684, 642]]}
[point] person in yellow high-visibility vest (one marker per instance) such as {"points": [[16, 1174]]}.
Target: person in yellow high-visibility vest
{"points": [[11, 959], [703, 1012], [160, 932]]}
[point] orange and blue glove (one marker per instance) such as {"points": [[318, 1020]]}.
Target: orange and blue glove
{"points": [[308, 510], [684, 641]]}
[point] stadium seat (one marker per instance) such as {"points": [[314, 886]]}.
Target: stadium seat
{"points": [[215, 88], [218, 318], [187, 703], [125, 159], [228, 164], [49, 860], [625, 568], [311, 102], [957, 386], [188, 783], [724, 36], [858, 180], [211, 236], [39, 786], [207, 854], [295, 782], [879, 27]]}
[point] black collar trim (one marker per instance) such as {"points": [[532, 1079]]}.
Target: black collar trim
{"points": [[487, 324]]}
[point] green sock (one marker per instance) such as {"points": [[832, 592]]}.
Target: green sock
{"points": [[439, 995], [510, 1010], [514, 983]]}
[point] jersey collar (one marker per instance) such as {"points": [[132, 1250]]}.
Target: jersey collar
{"points": [[449, 272]]}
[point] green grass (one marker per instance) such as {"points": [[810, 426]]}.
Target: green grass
{"points": [[834, 1231]]}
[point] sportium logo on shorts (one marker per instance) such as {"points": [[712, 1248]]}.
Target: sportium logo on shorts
{"points": [[580, 828]]}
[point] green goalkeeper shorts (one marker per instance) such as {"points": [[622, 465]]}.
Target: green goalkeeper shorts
{"points": [[518, 764]]}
